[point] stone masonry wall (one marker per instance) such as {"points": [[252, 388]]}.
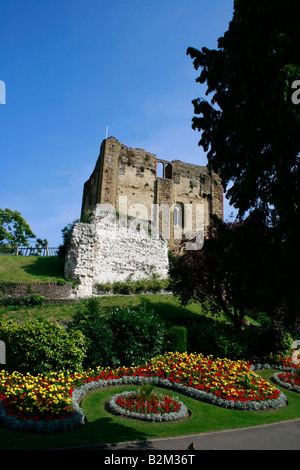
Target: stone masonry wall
{"points": [[128, 178], [49, 290], [110, 249]]}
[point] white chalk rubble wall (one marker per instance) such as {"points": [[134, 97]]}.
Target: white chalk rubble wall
{"points": [[113, 248]]}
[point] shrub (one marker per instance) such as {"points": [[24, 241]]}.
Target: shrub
{"points": [[32, 300], [98, 334], [203, 336], [211, 337], [274, 338], [138, 334], [134, 287], [124, 337], [41, 347], [176, 339]]}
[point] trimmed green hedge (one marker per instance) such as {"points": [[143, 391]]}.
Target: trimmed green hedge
{"points": [[134, 287], [41, 347]]}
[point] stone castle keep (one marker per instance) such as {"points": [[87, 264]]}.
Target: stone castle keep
{"points": [[176, 197], [127, 178]]}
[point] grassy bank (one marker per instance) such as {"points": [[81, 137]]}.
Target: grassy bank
{"points": [[31, 269], [18, 269], [166, 306]]}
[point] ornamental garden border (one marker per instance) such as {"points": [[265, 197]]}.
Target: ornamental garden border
{"points": [[79, 419]]}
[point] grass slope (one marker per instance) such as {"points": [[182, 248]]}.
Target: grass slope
{"points": [[166, 306], [31, 269]]}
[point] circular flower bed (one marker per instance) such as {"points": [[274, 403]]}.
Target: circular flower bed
{"points": [[288, 380], [156, 407]]}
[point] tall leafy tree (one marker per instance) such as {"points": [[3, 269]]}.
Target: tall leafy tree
{"points": [[14, 230], [249, 124], [250, 127]]}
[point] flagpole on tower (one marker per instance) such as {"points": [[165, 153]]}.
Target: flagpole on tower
{"points": [[106, 131]]}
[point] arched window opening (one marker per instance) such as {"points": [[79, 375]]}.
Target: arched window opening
{"points": [[177, 221], [178, 216], [160, 170], [168, 171]]}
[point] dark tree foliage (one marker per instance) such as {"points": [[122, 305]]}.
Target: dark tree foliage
{"points": [[250, 131], [251, 127], [233, 272]]}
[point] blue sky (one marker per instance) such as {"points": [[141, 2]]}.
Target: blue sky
{"points": [[73, 67]]}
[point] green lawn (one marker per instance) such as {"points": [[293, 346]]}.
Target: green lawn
{"points": [[166, 306], [102, 427], [31, 268]]}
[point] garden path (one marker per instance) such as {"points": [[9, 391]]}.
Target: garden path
{"points": [[277, 436]]}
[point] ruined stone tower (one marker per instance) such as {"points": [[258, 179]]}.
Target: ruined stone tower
{"points": [[139, 184]]}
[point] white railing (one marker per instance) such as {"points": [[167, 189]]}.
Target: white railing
{"points": [[29, 251]]}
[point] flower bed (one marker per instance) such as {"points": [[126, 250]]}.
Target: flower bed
{"points": [[46, 404], [37, 403], [288, 380], [157, 407], [275, 361]]}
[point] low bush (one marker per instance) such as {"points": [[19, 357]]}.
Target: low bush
{"points": [[176, 339], [32, 300], [125, 336], [98, 334], [41, 347], [139, 334], [134, 287]]}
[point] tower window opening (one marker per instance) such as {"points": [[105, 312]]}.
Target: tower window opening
{"points": [[177, 216], [160, 170], [168, 171]]}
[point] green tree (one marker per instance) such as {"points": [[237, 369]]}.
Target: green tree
{"points": [[250, 129], [41, 245], [14, 230], [233, 272]]}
